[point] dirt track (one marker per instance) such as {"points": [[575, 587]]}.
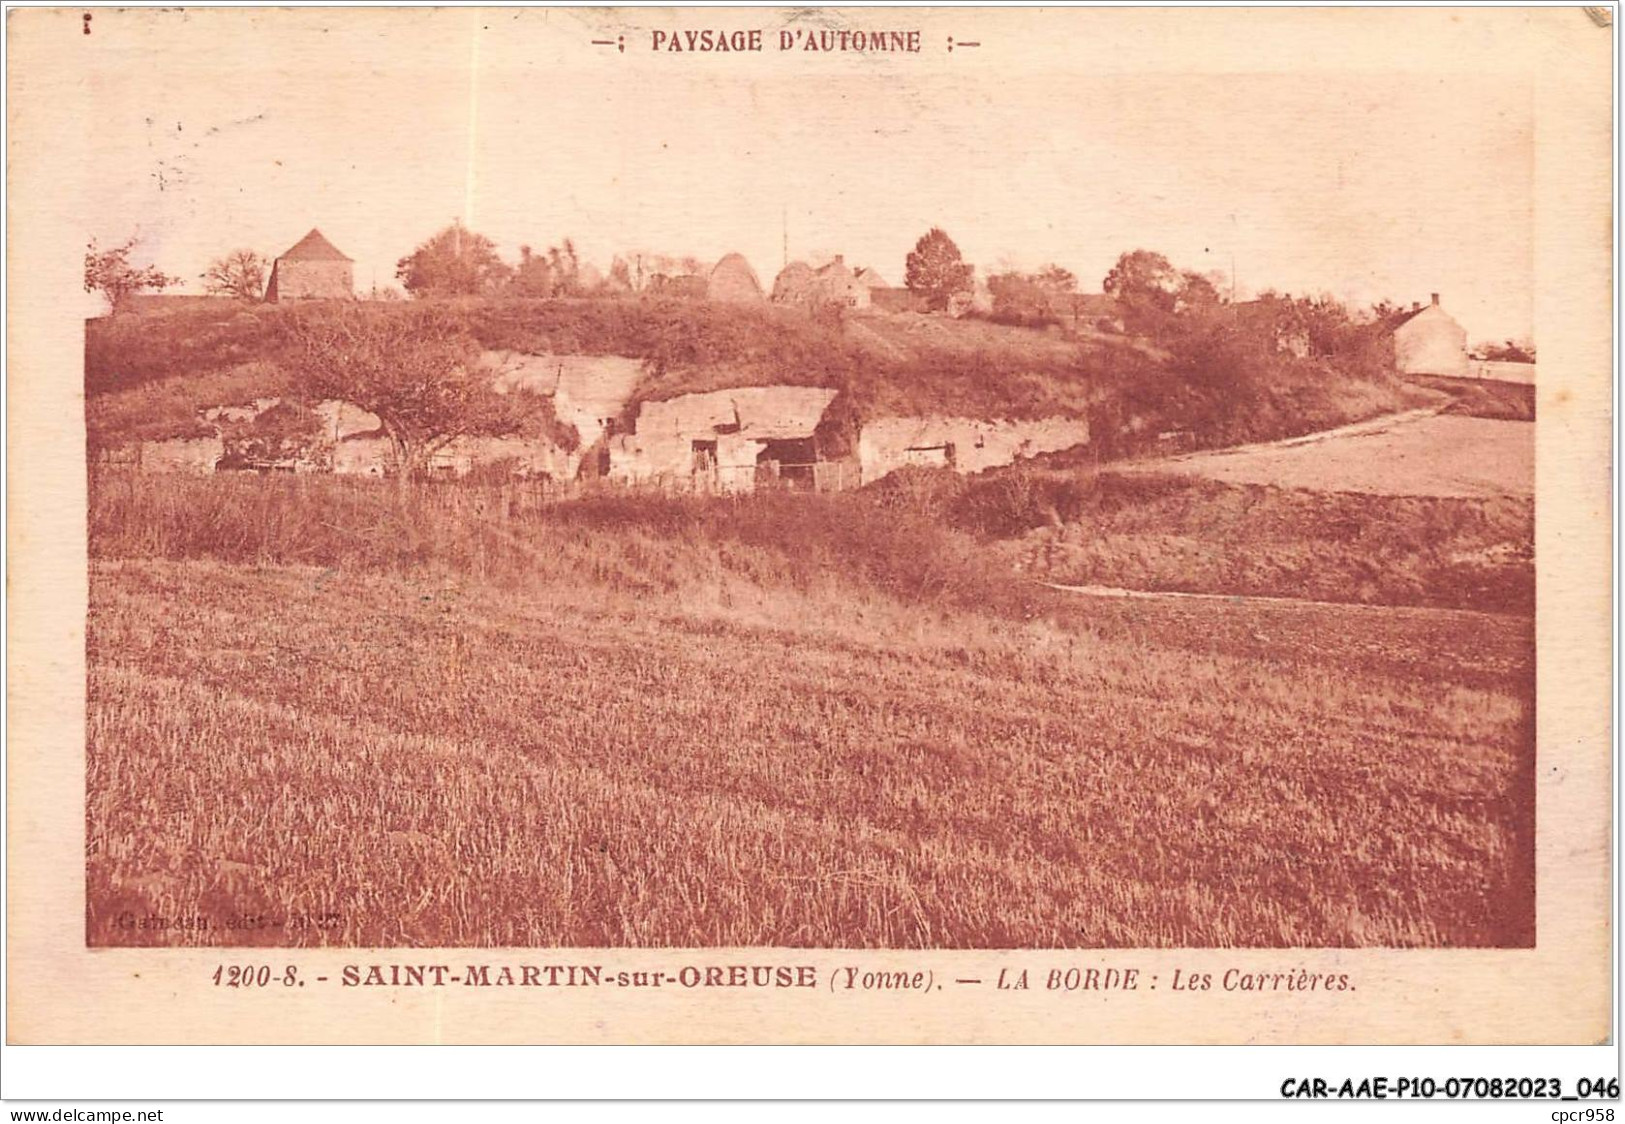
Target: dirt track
{"points": [[1417, 453], [1244, 599]]}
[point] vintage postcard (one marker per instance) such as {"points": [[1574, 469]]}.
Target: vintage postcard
{"points": [[879, 525]]}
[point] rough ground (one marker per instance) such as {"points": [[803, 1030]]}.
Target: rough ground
{"points": [[405, 762], [1412, 454]]}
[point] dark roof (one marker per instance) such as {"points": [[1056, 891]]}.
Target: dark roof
{"points": [[1394, 320], [313, 247]]}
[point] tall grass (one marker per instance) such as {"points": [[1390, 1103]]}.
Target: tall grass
{"points": [[1064, 522], [521, 534], [411, 762], [479, 716]]}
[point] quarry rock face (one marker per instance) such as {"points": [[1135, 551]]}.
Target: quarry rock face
{"points": [[723, 440], [588, 391], [963, 444], [729, 440], [181, 454]]}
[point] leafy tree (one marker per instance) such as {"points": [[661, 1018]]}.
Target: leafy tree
{"points": [[557, 273], [453, 263], [936, 271], [532, 277], [417, 369], [110, 273], [239, 274], [1033, 299], [1141, 276], [1198, 294], [566, 268], [1057, 280]]}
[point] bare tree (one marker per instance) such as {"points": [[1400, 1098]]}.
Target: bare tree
{"points": [[415, 368], [239, 274], [110, 273]]}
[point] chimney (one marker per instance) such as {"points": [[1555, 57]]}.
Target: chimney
{"points": [[1435, 300]]}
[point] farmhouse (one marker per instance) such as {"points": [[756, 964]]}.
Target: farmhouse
{"points": [[734, 281], [832, 283], [726, 440], [870, 279], [312, 269], [1428, 341], [840, 285]]}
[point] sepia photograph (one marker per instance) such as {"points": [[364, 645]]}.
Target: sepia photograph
{"points": [[893, 529], [709, 488]]}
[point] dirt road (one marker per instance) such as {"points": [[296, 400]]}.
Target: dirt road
{"points": [[1415, 453]]}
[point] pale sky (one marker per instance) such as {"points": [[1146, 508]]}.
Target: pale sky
{"points": [[1366, 184]]}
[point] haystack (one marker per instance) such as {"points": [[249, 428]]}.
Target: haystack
{"points": [[733, 280]]}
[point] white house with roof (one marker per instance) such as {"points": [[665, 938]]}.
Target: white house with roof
{"points": [[1428, 341]]}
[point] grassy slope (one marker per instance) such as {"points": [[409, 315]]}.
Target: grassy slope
{"points": [[915, 363], [1180, 533], [146, 376], [1054, 520], [655, 726]]}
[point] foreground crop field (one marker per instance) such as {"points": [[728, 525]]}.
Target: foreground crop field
{"points": [[382, 758]]}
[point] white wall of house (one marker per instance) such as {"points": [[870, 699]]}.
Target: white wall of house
{"points": [[1431, 343]]}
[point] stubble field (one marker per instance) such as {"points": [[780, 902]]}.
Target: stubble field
{"points": [[677, 735]]}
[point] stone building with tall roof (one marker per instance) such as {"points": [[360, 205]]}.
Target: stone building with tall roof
{"points": [[312, 269]]}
